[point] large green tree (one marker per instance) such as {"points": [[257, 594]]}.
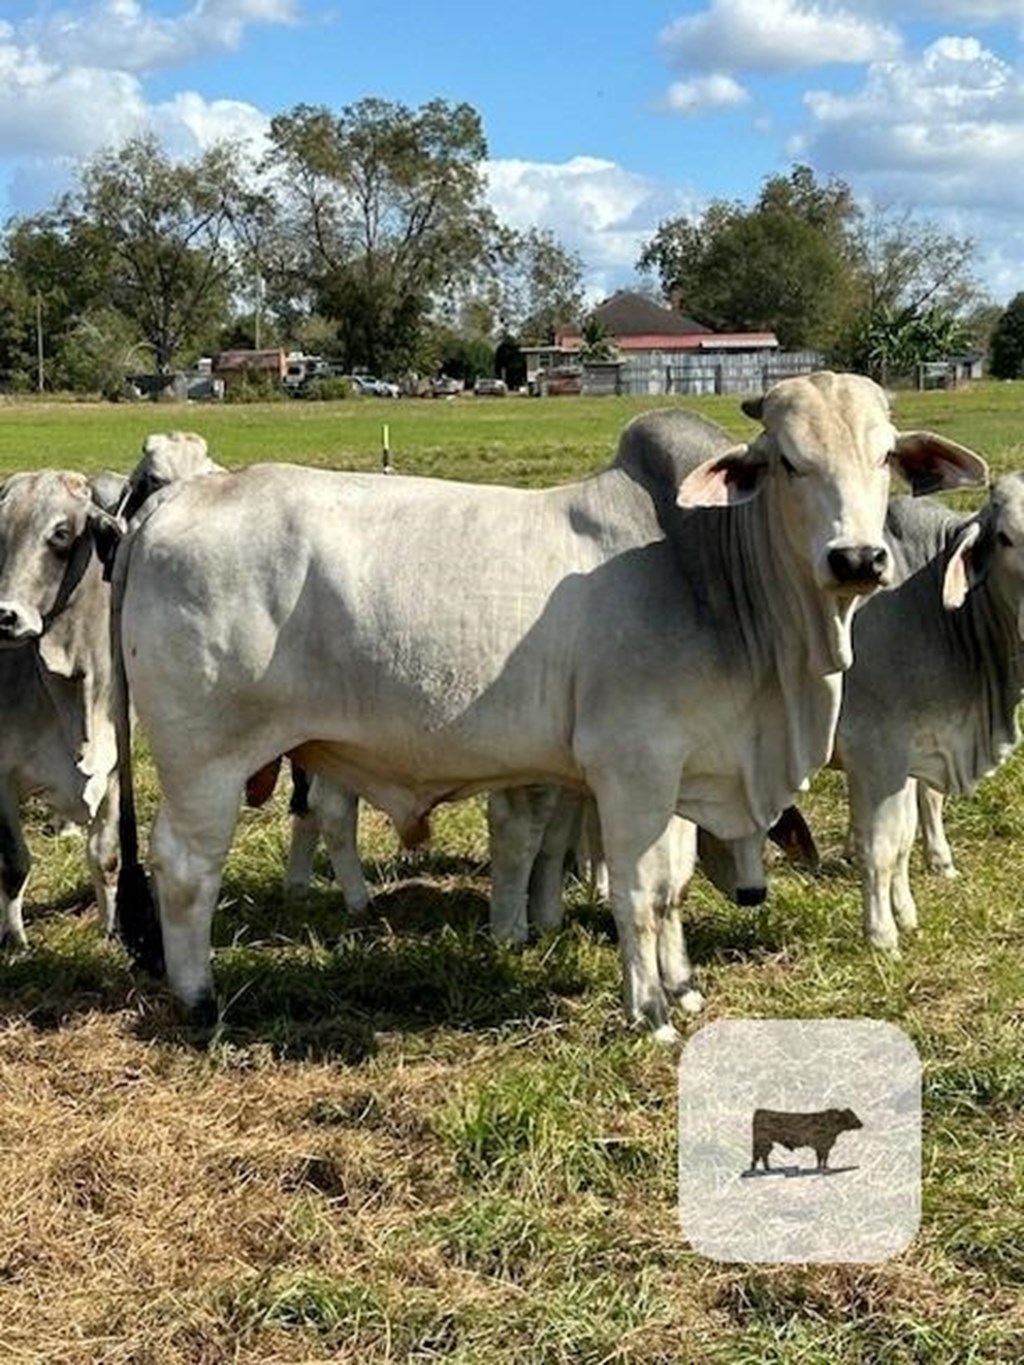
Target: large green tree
{"points": [[808, 263], [1007, 357], [56, 273], [163, 238], [538, 283], [781, 265], [381, 210]]}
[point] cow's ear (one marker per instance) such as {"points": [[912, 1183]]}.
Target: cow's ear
{"points": [[966, 566], [929, 463], [106, 531], [725, 480]]}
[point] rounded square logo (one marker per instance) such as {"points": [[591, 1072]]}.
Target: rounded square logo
{"points": [[799, 1140]]}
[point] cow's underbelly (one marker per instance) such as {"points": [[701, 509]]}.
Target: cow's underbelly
{"points": [[408, 797]]}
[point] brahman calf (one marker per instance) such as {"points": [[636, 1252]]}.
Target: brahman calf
{"points": [[933, 693], [56, 734]]}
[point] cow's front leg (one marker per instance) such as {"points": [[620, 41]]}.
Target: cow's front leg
{"points": [[938, 855], [336, 810], [680, 839], [103, 853], [634, 817], [15, 862], [190, 840], [878, 822], [903, 904]]}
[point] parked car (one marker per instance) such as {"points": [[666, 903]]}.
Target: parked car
{"points": [[490, 388], [446, 387], [370, 387], [382, 388]]}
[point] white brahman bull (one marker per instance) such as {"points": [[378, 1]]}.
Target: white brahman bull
{"points": [[667, 642]]}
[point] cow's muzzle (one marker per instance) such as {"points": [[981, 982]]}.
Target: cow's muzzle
{"points": [[859, 568], [18, 624]]}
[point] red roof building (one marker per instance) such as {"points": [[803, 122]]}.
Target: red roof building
{"points": [[647, 335]]}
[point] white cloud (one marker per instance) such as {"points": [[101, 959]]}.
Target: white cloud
{"points": [[189, 122], [975, 11], [775, 36], [947, 128], [49, 110], [125, 35], [593, 206], [52, 113], [704, 92], [943, 134]]}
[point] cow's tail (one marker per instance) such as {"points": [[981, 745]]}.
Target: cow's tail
{"points": [[138, 923]]}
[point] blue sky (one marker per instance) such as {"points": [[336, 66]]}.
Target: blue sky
{"points": [[601, 120]]}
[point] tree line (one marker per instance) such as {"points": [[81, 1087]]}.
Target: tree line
{"points": [[365, 234]]}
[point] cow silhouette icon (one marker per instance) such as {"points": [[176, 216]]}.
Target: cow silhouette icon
{"points": [[818, 1129]]}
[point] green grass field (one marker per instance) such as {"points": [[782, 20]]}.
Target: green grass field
{"points": [[406, 1144]]}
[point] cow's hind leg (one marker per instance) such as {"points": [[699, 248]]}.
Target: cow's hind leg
{"points": [[546, 899], [14, 868], [190, 840], [516, 820]]}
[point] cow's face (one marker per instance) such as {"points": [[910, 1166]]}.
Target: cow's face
{"points": [[844, 1119], [46, 526], [167, 457], [823, 463]]}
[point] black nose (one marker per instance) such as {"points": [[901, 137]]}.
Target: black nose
{"points": [[859, 563], [8, 621]]}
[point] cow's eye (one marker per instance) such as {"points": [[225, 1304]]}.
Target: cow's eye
{"points": [[61, 537], [1003, 538], [787, 465]]}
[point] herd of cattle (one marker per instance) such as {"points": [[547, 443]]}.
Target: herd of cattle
{"points": [[673, 645]]}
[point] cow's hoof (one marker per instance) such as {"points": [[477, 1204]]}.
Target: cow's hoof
{"points": [[887, 944], [667, 1035], [204, 1014], [296, 891], [945, 870], [691, 1001]]}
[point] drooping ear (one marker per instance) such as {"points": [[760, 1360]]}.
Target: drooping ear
{"points": [[106, 531], [725, 480], [965, 568], [930, 462]]}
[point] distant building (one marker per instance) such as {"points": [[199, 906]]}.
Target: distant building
{"points": [[662, 350], [232, 367]]}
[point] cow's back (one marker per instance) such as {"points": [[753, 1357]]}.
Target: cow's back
{"points": [[403, 608]]}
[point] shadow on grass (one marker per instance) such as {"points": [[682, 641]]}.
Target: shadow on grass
{"points": [[48, 986], [421, 959], [311, 981]]}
